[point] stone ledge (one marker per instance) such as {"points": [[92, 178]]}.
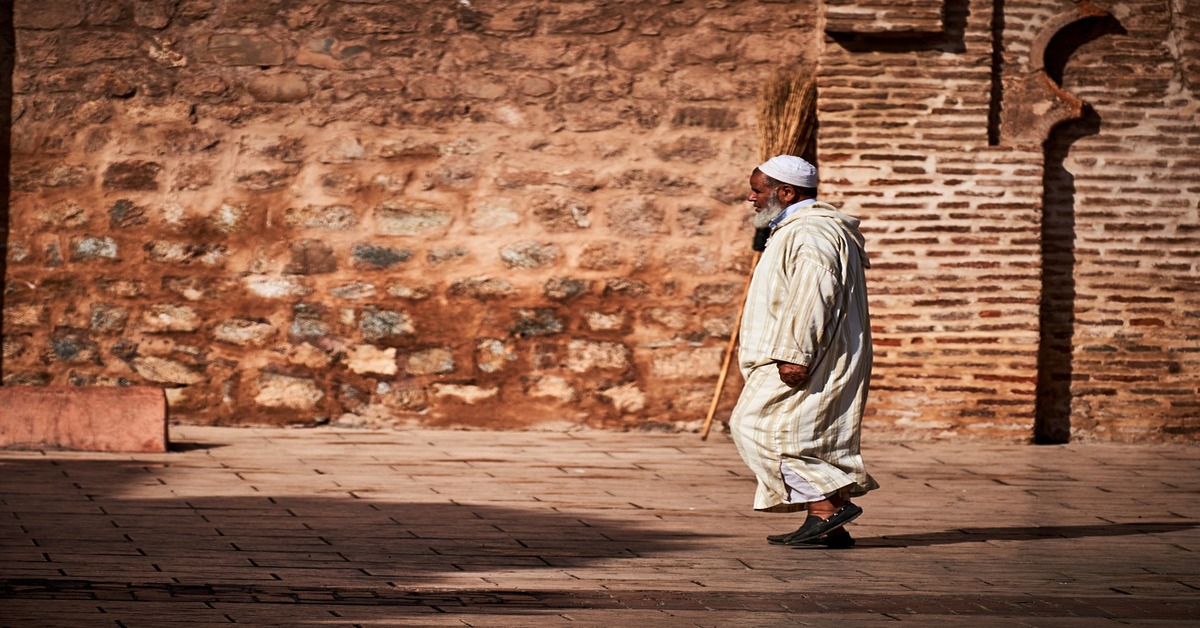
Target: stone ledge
{"points": [[132, 419]]}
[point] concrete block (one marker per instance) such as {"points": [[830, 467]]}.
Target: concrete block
{"points": [[130, 418]]}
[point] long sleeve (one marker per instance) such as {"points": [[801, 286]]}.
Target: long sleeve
{"points": [[809, 305]]}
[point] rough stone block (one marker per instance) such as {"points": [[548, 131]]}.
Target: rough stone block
{"points": [[637, 218], [354, 291], [165, 371], [529, 254], [379, 324], [341, 183], [275, 287], [495, 214], [396, 219], [89, 248], [265, 180], [552, 387], [686, 363], [73, 346], [130, 418], [536, 322], [601, 321], [411, 292], [371, 359], [309, 356], [605, 255], [465, 392], [625, 398], [124, 213], [26, 314], [166, 318], [401, 18], [374, 256], [585, 355], [715, 293], [492, 355], [565, 289], [716, 118], [586, 21], [287, 87], [243, 332], [284, 391], [48, 15], [242, 50], [177, 111], [33, 177], [561, 214], [334, 217], [311, 257], [622, 287], [63, 214], [438, 360], [132, 175], [342, 150]]}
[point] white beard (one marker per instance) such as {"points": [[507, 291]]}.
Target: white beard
{"points": [[769, 212]]}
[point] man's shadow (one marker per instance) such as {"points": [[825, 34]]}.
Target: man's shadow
{"points": [[1028, 533]]}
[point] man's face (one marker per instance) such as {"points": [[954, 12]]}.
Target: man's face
{"points": [[766, 201]]}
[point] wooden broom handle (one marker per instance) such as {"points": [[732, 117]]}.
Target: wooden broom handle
{"points": [[733, 338]]}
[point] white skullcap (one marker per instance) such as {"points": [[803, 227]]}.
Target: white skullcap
{"points": [[792, 170]]}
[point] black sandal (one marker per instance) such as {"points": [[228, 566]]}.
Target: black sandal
{"points": [[815, 527]]}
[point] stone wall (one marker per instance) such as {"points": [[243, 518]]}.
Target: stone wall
{"points": [[508, 214], [468, 213]]}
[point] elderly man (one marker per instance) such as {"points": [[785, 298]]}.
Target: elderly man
{"points": [[806, 356]]}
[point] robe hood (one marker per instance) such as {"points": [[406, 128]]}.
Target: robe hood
{"points": [[847, 224]]}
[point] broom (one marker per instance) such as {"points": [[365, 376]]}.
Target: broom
{"points": [[787, 125]]}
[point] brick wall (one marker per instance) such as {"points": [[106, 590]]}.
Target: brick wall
{"points": [[952, 222], [1135, 350], [962, 302], [513, 214]]}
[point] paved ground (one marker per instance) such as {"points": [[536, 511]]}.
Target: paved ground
{"points": [[441, 528]]}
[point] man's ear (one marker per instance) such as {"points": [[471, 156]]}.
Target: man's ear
{"points": [[787, 194]]}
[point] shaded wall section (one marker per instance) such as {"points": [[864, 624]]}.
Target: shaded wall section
{"points": [[7, 61], [1057, 315]]}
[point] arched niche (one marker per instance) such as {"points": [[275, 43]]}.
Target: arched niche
{"points": [[1034, 100]]}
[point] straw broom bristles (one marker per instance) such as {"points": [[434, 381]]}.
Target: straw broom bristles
{"points": [[787, 115]]}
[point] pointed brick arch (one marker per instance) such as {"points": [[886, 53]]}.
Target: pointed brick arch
{"points": [[1034, 100]]}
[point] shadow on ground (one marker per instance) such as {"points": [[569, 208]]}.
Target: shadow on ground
{"points": [[1032, 533], [390, 606], [61, 517], [73, 545]]}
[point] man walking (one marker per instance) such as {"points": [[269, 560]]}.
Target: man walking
{"points": [[806, 356]]}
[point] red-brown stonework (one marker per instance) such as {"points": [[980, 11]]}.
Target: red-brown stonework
{"points": [[530, 213], [132, 419]]}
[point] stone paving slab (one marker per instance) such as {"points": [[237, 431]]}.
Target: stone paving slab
{"points": [[296, 527]]}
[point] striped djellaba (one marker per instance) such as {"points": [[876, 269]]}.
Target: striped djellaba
{"points": [[807, 304]]}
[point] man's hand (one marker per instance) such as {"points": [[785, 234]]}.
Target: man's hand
{"points": [[794, 375]]}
